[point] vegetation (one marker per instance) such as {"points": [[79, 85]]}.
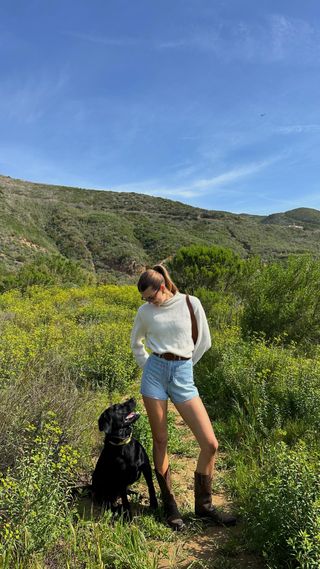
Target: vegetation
{"points": [[281, 506], [47, 270], [65, 356], [213, 268], [284, 299], [113, 234]]}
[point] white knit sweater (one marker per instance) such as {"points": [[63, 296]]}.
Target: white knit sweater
{"points": [[167, 328]]}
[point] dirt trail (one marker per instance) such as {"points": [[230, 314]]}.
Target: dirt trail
{"points": [[203, 545]]}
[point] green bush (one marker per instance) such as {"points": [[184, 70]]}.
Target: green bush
{"points": [[259, 389], [281, 507], [100, 355], [47, 270], [222, 309], [283, 299], [89, 328], [33, 497], [214, 268]]}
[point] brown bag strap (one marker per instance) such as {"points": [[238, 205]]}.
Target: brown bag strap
{"points": [[193, 320]]}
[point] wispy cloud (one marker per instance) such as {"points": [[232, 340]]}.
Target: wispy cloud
{"points": [[102, 40], [172, 44], [196, 187], [26, 99], [278, 39], [298, 128]]}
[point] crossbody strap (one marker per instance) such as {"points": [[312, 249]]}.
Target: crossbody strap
{"points": [[193, 320]]}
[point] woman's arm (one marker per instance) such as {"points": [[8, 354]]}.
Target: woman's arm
{"points": [[137, 346], [204, 337]]}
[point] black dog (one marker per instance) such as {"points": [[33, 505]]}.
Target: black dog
{"points": [[122, 459]]}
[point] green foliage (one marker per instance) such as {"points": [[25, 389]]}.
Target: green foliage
{"points": [[284, 299], [89, 328], [281, 507], [197, 266], [100, 355], [222, 309], [33, 504], [259, 390], [57, 346], [115, 233], [48, 270], [67, 350]]}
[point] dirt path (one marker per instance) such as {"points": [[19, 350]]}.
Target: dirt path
{"points": [[203, 545]]}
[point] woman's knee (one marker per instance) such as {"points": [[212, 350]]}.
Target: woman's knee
{"points": [[210, 447], [160, 441]]}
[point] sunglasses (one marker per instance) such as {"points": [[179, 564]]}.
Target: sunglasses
{"points": [[151, 297]]}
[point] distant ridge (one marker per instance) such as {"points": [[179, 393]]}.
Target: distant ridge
{"points": [[118, 233]]}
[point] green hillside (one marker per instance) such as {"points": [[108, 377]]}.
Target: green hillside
{"points": [[111, 232]]}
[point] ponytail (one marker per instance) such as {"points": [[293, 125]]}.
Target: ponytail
{"points": [[167, 279], [155, 277]]}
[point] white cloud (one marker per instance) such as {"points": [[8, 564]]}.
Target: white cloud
{"points": [[196, 187]]}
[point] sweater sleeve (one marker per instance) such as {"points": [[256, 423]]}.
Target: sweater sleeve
{"points": [[204, 337], [137, 346]]}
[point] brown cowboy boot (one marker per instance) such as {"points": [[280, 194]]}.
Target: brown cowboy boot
{"points": [[203, 501], [173, 516]]}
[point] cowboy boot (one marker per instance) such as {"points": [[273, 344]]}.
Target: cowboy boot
{"points": [[203, 501], [173, 516]]}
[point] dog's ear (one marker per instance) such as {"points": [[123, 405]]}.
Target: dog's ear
{"points": [[104, 422]]}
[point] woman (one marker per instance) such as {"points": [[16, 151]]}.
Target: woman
{"points": [[165, 324]]}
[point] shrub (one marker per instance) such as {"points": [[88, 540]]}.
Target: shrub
{"points": [[222, 309], [33, 497], [100, 355], [281, 507], [43, 388], [283, 300], [215, 268], [46, 270], [259, 389], [89, 328]]}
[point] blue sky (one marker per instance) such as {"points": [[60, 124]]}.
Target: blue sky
{"points": [[212, 103]]}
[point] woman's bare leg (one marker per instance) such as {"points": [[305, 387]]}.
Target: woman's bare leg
{"points": [[195, 415], [157, 414]]}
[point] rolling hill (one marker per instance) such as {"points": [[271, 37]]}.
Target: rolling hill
{"points": [[118, 233]]}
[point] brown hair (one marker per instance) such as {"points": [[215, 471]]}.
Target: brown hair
{"points": [[155, 277]]}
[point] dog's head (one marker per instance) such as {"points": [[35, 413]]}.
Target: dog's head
{"points": [[117, 420]]}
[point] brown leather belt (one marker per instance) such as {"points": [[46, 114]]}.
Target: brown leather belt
{"points": [[169, 356]]}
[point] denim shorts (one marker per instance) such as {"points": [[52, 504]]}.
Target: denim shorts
{"points": [[168, 378]]}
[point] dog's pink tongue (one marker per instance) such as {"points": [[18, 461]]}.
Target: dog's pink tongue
{"points": [[130, 415]]}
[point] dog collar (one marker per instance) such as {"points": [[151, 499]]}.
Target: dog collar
{"points": [[123, 442]]}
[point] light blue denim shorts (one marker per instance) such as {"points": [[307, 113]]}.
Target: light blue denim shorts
{"points": [[162, 379]]}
